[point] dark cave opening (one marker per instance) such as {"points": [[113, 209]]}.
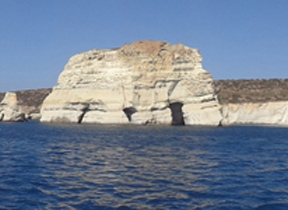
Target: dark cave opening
{"points": [[84, 111], [129, 112], [177, 113]]}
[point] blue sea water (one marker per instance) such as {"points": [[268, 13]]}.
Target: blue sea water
{"points": [[142, 167]]}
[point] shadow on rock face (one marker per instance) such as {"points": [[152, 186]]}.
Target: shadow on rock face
{"points": [[177, 113], [129, 112]]}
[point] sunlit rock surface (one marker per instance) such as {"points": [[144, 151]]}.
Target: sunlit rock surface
{"points": [[10, 111], [268, 113], [143, 82]]}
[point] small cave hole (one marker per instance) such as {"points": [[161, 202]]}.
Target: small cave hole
{"points": [[129, 112], [84, 111], [177, 113]]}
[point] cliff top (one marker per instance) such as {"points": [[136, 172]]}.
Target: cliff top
{"points": [[156, 49], [148, 46], [258, 90]]}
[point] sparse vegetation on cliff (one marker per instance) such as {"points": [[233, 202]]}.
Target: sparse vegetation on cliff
{"points": [[30, 99], [2, 96], [258, 90]]}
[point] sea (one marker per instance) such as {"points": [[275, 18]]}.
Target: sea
{"points": [[129, 167]]}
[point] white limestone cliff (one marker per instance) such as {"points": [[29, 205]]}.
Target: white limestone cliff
{"points": [[143, 82], [269, 113], [10, 111]]}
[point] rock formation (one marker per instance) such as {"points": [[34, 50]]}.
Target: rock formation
{"points": [[260, 102], [31, 101], [269, 113], [143, 82], [10, 111]]}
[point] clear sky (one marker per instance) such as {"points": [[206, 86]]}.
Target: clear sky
{"points": [[238, 39]]}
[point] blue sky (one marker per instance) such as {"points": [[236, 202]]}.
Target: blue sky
{"points": [[238, 39]]}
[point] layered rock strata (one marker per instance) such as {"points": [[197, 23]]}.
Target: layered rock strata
{"points": [[269, 113], [10, 111], [143, 82]]}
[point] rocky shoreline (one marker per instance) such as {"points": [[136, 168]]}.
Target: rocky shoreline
{"points": [[149, 82], [231, 94], [26, 103]]}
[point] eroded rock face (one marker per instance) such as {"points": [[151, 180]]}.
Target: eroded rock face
{"points": [[143, 82], [268, 113], [9, 109]]}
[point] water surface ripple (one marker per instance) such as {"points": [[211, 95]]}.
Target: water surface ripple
{"points": [[142, 167]]}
